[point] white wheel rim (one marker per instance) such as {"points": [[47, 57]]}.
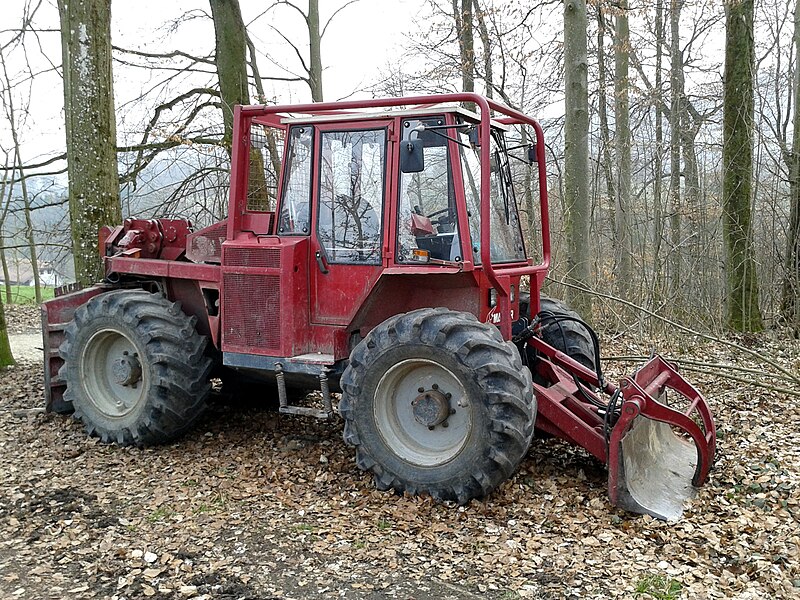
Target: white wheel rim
{"points": [[108, 358], [398, 423]]}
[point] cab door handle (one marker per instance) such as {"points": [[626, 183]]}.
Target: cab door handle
{"points": [[321, 262]]}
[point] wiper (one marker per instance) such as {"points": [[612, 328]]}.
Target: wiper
{"points": [[505, 181], [433, 129]]}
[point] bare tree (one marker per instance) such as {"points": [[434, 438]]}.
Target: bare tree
{"points": [[230, 59], [742, 285], [622, 138], [6, 358], [91, 129], [790, 301], [462, 15], [576, 151], [676, 91], [312, 65], [11, 116]]}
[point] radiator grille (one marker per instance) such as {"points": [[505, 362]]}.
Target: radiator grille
{"points": [[253, 257], [251, 307], [206, 244]]}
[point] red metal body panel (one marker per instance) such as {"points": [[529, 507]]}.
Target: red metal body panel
{"points": [[56, 315]]}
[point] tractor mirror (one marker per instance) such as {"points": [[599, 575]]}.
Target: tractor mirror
{"points": [[412, 159], [532, 154]]}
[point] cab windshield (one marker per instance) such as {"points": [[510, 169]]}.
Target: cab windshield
{"points": [[506, 233]]}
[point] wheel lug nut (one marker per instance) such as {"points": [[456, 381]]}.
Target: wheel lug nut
{"points": [[452, 411], [445, 424], [125, 353], [435, 386], [431, 427], [421, 389], [448, 395]]}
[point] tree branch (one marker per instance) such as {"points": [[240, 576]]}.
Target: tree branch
{"points": [[173, 54], [336, 12]]}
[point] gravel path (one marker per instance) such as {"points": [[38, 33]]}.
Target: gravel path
{"points": [[255, 505], [26, 346]]}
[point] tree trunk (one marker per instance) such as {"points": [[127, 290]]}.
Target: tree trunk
{"points": [[315, 50], [737, 156], [622, 139], [488, 75], [91, 129], [658, 203], [5, 202], [37, 283], [602, 102], [676, 69], [790, 301], [576, 153], [230, 58], [462, 13], [6, 359], [4, 265]]}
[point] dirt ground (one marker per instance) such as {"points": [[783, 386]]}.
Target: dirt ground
{"points": [[256, 505]]}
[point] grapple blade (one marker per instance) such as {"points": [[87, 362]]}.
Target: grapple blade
{"points": [[662, 445]]}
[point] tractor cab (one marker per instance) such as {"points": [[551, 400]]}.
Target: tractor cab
{"points": [[427, 186], [377, 213]]}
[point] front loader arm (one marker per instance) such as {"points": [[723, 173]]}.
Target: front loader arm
{"points": [[657, 452]]}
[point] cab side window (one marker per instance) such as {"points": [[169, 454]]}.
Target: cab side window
{"points": [[427, 210], [351, 195], [296, 200]]}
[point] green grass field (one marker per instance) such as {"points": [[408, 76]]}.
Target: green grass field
{"points": [[21, 294]]}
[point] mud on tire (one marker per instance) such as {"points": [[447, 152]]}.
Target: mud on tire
{"points": [[449, 364], [135, 367]]}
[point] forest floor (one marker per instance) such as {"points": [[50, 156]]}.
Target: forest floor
{"points": [[253, 505]]}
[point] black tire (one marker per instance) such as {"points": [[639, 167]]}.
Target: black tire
{"points": [[570, 337], [147, 341], [489, 390]]}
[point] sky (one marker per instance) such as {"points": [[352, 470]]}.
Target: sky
{"points": [[360, 41]]}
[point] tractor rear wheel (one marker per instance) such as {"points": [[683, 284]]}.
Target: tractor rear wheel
{"points": [[135, 368], [436, 403]]}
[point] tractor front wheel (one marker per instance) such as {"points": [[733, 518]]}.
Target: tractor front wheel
{"points": [[437, 403], [135, 368]]}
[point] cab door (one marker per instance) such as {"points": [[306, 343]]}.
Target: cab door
{"points": [[351, 194]]}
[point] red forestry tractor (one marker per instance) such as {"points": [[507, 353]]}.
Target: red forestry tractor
{"points": [[390, 270]]}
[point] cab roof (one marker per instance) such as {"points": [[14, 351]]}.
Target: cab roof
{"points": [[341, 117]]}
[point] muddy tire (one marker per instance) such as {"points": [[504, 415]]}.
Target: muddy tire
{"points": [[436, 403], [135, 367]]}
